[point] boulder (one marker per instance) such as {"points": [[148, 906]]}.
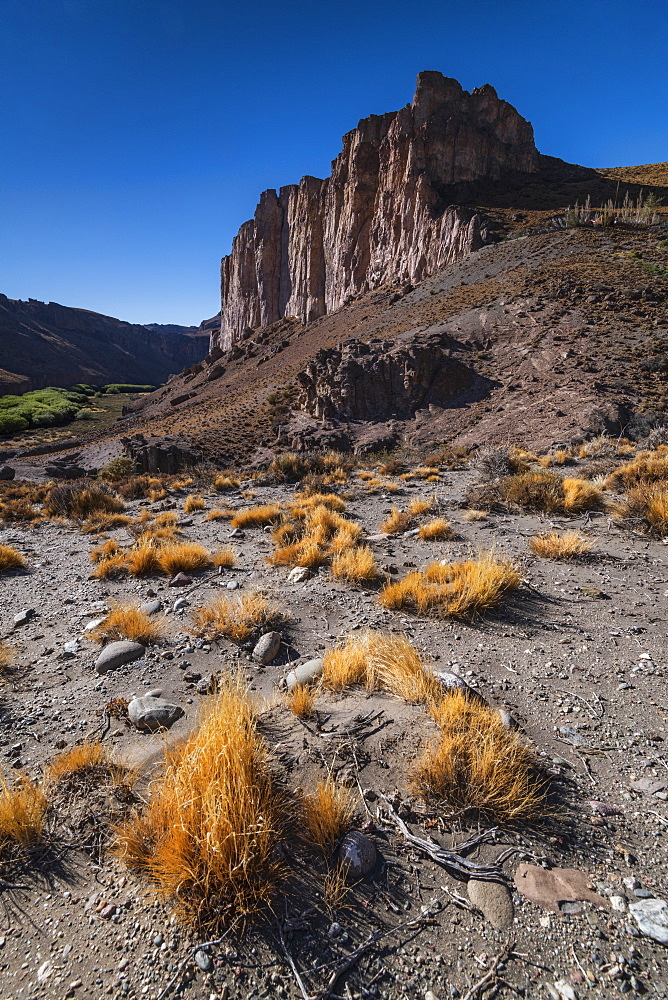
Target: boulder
{"points": [[117, 653], [267, 648], [6, 472], [357, 853], [305, 673], [150, 713]]}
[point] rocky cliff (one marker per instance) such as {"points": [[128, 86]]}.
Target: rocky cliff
{"points": [[384, 214], [44, 343]]}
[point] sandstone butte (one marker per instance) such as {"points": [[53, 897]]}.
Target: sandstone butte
{"points": [[383, 215]]}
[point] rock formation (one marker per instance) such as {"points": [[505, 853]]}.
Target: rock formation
{"points": [[384, 214]]}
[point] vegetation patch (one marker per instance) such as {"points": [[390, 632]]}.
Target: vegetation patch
{"points": [[552, 545]]}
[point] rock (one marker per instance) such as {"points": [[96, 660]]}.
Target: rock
{"points": [[453, 682], [494, 901], [232, 585], [572, 736], [305, 673], [180, 580], [267, 647], [6, 472], [149, 713], [117, 653], [507, 719], [203, 960], [335, 930], [93, 624], [72, 647], [108, 911], [180, 603], [207, 685], [380, 216], [551, 887], [161, 454], [651, 916], [23, 617], [618, 903], [358, 854], [151, 607], [299, 574]]}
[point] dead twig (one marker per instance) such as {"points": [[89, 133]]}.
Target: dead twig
{"points": [[491, 976], [198, 947]]}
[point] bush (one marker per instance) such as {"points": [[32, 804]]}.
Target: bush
{"points": [[116, 387], [118, 468], [84, 415], [12, 423], [81, 500]]}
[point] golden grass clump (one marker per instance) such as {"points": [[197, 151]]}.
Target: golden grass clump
{"points": [[225, 557], [326, 814], [580, 496], [356, 565], [167, 519], [22, 811], [105, 522], [19, 511], [154, 552], [332, 501], [301, 701], [396, 522], [647, 467], [645, 508], [183, 557], [194, 502], [237, 619], [420, 506], [80, 758], [312, 536], [544, 491], [7, 655], [10, 558], [128, 621], [552, 545], [475, 515], [258, 517], [208, 838], [81, 502], [140, 560], [479, 764], [220, 515], [464, 589], [345, 665], [223, 483], [382, 663], [436, 530]]}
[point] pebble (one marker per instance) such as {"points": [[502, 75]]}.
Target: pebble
{"points": [[335, 930], [203, 960], [95, 623], [494, 900], [651, 916], [151, 607], [180, 602], [299, 574], [108, 911], [23, 617], [358, 854], [117, 653], [180, 580], [232, 584], [149, 713], [618, 903], [267, 648], [305, 673]]}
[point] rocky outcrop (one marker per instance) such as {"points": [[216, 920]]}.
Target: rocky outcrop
{"points": [[384, 214]]}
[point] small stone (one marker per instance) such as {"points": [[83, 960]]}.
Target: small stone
{"points": [[203, 960], [151, 607], [267, 648], [115, 654], [507, 719], [232, 585], [335, 930], [23, 617], [651, 916], [180, 602], [150, 713], [44, 971], [123, 964], [93, 624], [358, 854], [305, 673], [299, 574], [618, 903], [430, 995], [157, 940], [180, 580], [207, 685], [494, 900], [72, 647], [108, 911]]}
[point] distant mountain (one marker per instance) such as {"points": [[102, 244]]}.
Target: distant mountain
{"points": [[44, 343]]}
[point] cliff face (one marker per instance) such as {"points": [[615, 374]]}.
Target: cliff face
{"points": [[382, 215], [44, 343]]}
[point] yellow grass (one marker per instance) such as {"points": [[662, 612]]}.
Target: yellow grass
{"points": [[345, 665], [647, 467], [141, 560], [208, 838], [330, 500], [128, 621], [104, 551], [225, 557], [436, 530], [105, 522], [183, 557], [110, 567], [454, 590], [396, 522], [236, 618], [7, 655], [306, 552], [365, 475], [580, 495], [326, 814], [552, 545], [258, 517], [220, 515], [645, 508], [475, 515], [430, 473], [80, 758], [22, 810], [345, 537], [81, 503], [418, 507], [479, 764], [10, 559], [356, 565], [168, 519], [301, 701], [222, 483], [382, 662], [193, 502]]}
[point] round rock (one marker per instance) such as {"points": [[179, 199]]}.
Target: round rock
{"points": [[453, 682], [651, 916], [358, 854], [150, 713], [151, 607], [267, 648], [117, 653], [299, 574], [305, 673], [494, 900]]}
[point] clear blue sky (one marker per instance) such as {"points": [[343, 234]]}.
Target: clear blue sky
{"points": [[136, 135]]}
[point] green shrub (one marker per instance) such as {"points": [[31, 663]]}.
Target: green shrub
{"points": [[119, 468], [84, 415], [115, 387], [11, 423]]}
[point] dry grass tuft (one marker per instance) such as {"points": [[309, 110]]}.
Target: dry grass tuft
{"points": [[345, 665], [552, 545], [7, 656], [220, 515], [208, 838], [84, 757], [10, 559], [19, 511], [105, 522], [479, 764], [128, 621], [326, 814], [223, 483], [301, 701], [141, 560], [646, 508], [382, 663], [542, 491], [258, 517], [168, 519], [436, 530], [332, 501], [475, 515], [81, 502], [647, 467], [396, 522], [580, 496], [419, 506], [155, 551], [194, 502], [454, 590], [183, 557], [225, 557], [237, 619], [356, 565], [22, 811]]}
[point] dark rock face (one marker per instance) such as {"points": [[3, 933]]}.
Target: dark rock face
{"points": [[383, 215], [160, 454], [44, 343]]}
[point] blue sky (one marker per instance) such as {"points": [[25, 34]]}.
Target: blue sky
{"points": [[136, 135]]}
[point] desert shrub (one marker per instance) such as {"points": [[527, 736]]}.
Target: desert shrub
{"points": [[326, 814], [492, 462], [646, 508], [10, 558], [128, 621], [208, 839], [81, 500], [193, 502], [291, 467], [552, 545], [12, 423], [478, 764], [436, 530], [647, 467], [356, 565], [544, 491], [117, 387], [19, 511], [301, 701], [237, 619], [22, 813], [465, 589], [117, 469], [258, 517]]}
